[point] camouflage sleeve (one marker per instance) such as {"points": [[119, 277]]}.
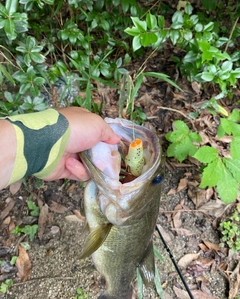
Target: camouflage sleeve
{"points": [[41, 140]]}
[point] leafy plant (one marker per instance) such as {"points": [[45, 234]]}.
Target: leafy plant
{"points": [[6, 285], [29, 230], [204, 61], [182, 141], [80, 294], [33, 208], [230, 231]]}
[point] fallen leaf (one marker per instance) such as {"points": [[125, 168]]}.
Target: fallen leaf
{"points": [[212, 246], [187, 259], [181, 294], [79, 215], [214, 208], [197, 294], [42, 221], [182, 184], [177, 220], [196, 86], [57, 208], [73, 218], [71, 188], [14, 188], [23, 264], [10, 204]]}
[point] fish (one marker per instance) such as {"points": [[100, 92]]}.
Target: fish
{"points": [[121, 217]]}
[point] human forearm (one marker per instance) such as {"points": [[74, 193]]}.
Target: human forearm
{"points": [[7, 151]]}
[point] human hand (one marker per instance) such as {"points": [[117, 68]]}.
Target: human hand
{"points": [[87, 129]]}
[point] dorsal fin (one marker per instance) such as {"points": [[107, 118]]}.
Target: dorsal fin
{"points": [[95, 239]]}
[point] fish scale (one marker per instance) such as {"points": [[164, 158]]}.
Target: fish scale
{"points": [[119, 248]]}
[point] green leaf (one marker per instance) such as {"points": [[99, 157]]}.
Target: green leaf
{"points": [[161, 21], [174, 35], [151, 21], [134, 31], [234, 167], [227, 187], [234, 147], [148, 38], [206, 154], [180, 125], [10, 29], [141, 25], [11, 6], [188, 8], [209, 26], [212, 173], [37, 57], [206, 76], [195, 137], [163, 77], [136, 43]]}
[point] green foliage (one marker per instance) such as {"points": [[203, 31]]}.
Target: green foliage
{"points": [[204, 61], [81, 294], [220, 172], [33, 208], [182, 141], [29, 230], [6, 285], [230, 231]]}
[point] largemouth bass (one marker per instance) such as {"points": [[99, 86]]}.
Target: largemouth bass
{"points": [[122, 216]]}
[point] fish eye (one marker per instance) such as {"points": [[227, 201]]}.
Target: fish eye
{"points": [[158, 179]]}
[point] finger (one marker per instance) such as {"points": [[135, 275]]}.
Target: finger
{"points": [[77, 169], [109, 136]]}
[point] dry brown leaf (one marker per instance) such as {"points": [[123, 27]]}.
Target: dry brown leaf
{"points": [[197, 294], [199, 196], [196, 87], [73, 218], [79, 215], [187, 259], [10, 204], [214, 208], [14, 188], [177, 222], [42, 221], [181, 294], [71, 188], [23, 264], [172, 191], [182, 184], [212, 246], [57, 208]]}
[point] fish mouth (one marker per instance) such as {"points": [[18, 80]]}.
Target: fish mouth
{"points": [[103, 163]]}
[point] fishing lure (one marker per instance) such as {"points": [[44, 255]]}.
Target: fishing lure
{"points": [[135, 160]]}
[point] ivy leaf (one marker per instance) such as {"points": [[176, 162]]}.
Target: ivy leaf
{"points": [[206, 154]]}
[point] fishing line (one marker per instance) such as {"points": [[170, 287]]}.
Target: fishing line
{"points": [[175, 264]]}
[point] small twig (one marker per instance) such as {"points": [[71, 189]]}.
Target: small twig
{"points": [[231, 33], [183, 114]]}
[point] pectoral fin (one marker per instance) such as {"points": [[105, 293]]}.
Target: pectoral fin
{"points": [[95, 239], [147, 266]]}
